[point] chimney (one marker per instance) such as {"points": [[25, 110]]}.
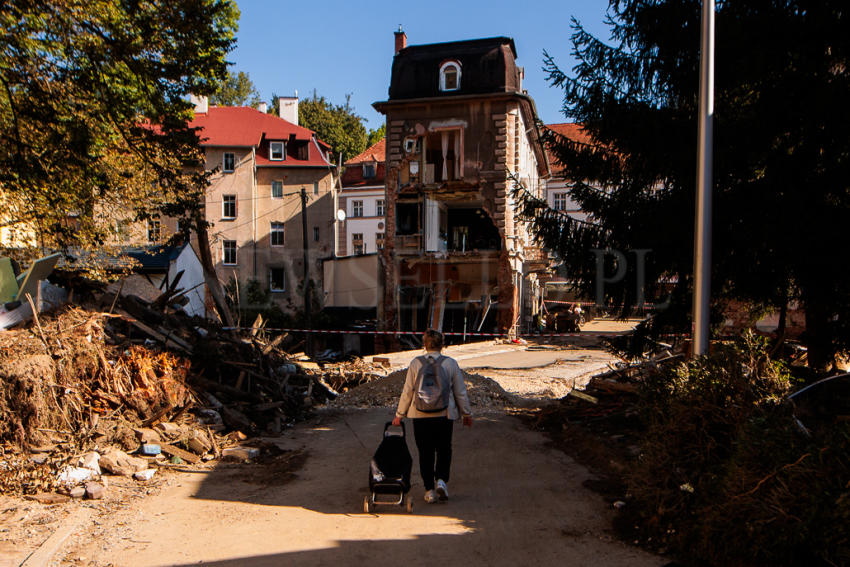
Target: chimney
{"points": [[263, 107], [289, 108], [201, 103], [400, 39]]}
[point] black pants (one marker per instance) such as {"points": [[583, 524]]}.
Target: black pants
{"points": [[434, 442]]}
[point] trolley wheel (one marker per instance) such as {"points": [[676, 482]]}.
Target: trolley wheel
{"points": [[408, 503], [367, 504]]}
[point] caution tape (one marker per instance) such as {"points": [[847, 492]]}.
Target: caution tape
{"points": [[445, 334]]}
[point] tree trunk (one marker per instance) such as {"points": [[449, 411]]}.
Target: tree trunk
{"points": [[210, 276], [819, 344]]}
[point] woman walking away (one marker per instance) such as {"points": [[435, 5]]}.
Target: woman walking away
{"points": [[434, 396]]}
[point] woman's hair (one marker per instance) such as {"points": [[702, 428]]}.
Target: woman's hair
{"points": [[433, 340]]}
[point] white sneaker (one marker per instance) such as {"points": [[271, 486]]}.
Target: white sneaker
{"points": [[442, 490], [431, 496]]}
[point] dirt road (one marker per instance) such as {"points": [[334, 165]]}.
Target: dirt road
{"points": [[514, 501]]}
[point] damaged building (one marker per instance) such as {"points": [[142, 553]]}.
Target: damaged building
{"points": [[460, 130]]}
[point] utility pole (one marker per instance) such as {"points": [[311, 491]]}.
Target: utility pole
{"points": [[308, 315], [702, 226]]}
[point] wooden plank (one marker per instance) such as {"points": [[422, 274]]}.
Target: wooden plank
{"points": [[583, 396], [43, 556], [153, 333], [190, 458]]}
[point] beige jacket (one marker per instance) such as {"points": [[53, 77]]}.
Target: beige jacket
{"points": [[459, 399]]}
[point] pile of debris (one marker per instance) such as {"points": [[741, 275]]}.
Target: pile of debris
{"points": [[118, 373], [484, 393], [341, 377]]}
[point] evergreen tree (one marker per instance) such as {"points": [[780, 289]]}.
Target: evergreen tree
{"points": [[781, 156]]}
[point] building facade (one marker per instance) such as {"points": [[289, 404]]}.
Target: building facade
{"points": [[460, 131], [363, 199], [261, 163]]}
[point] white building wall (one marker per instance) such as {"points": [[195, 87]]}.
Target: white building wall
{"points": [[369, 224]]}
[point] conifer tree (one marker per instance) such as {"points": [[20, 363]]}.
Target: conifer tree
{"points": [[781, 157]]}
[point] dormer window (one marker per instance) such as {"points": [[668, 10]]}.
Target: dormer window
{"points": [[450, 76], [368, 170], [276, 151]]}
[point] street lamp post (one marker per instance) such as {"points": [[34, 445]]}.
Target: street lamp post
{"points": [[702, 226]]}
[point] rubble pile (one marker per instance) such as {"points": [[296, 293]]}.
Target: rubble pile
{"points": [[344, 376], [484, 393], [140, 385]]}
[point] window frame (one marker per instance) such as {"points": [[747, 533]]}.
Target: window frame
{"points": [[380, 207], [154, 225], [357, 209], [279, 183], [559, 198], [379, 240], [445, 67], [277, 227], [225, 201], [271, 279], [224, 167], [358, 246], [315, 234], [224, 246], [282, 151], [370, 170], [315, 188]]}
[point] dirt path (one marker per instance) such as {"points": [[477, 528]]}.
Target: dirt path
{"points": [[514, 501]]}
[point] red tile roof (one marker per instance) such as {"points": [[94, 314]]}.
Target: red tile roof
{"points": [[376, 152], [569, 130], [243, 126]]}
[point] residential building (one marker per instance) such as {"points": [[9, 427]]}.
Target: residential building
{"points": [[558, 185], [460, 131], [261, 163], [363, 199]]}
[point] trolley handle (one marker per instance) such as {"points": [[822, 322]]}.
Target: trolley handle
{"points": [[390, 424]]}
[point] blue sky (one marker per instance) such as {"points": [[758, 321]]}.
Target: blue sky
{"points": [[338, 47]]}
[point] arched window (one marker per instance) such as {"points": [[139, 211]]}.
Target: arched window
{"points": [[450, 76]]}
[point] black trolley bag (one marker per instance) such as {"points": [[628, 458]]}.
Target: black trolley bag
{"points": [[389, 472]]}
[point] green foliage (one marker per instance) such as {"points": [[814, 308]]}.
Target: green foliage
{"points": [[781, 173], [336, 125], [376, 135], [237, 90], [81, 84], [725, 475]]}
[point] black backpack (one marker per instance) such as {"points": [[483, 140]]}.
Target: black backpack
{"points": [[433, 386]]}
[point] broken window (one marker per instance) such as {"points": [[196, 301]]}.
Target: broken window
{"points": [[408, 218], [470, 228], [443, 156]]}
